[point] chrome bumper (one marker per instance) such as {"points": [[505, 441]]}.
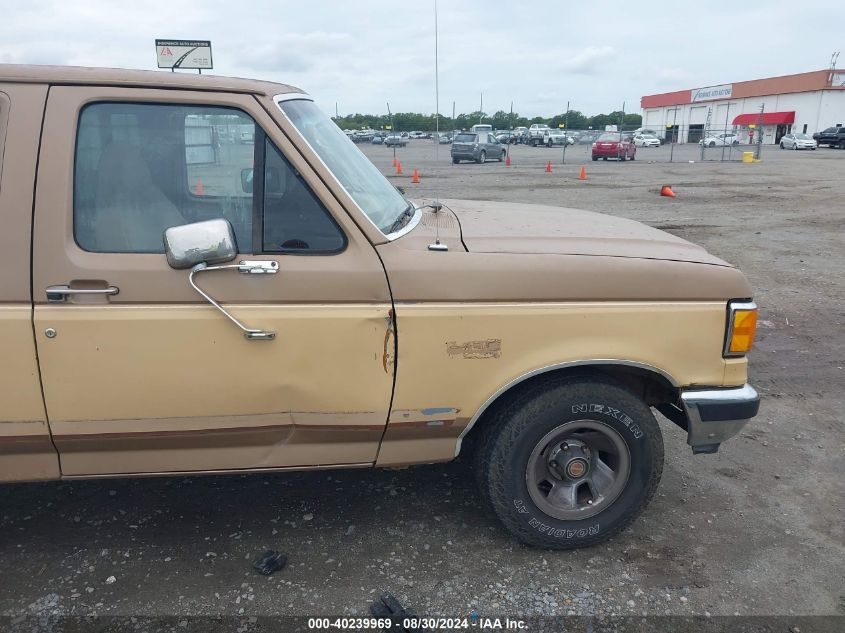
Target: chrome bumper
{"points": [[711, 416]]}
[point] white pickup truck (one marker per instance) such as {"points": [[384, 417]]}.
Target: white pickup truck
{"points": [[536, 133]]}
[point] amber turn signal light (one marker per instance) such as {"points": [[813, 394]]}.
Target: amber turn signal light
{"points": [[742, 326]]}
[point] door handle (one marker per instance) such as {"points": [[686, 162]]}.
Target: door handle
{"points": [[59, 294]]}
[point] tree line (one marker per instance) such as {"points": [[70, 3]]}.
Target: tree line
{"points": [[501, 120]]}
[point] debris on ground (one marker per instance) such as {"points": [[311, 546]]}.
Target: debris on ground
{"points": [[271, 562], [388, 607]]}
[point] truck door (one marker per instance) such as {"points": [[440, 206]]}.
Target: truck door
{"points": [[25, 448], [140, 373]]}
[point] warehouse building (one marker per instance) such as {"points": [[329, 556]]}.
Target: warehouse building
{"points": [[806, 102]]}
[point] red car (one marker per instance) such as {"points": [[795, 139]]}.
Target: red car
{"points": [[615, 145]]}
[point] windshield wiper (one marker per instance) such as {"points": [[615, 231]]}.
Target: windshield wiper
{"points": [[409, 212], [403, 219]]}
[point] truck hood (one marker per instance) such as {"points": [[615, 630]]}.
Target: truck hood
{"points": [[496, 227]]}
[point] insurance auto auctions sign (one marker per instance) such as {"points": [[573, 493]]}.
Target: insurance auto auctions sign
{"points": [[712, 92], [183, 53]]}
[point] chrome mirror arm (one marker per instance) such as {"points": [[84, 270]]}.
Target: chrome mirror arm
{"points": [[249, 267]]}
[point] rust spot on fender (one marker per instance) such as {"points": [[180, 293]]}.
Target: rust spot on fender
{"points": [[488, 348], [387, 356]]}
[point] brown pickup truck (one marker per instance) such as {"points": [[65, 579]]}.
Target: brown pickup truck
{"points": [[204, 275]]}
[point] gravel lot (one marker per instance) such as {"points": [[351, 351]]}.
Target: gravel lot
{"points": [[755, 530]]}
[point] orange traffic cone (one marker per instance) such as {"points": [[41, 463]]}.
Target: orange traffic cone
{"points": [[415, 177], [666, 190], [583, 174], [398, 168], [395, 161], [549, 167], [508, 161], [199, 187]]}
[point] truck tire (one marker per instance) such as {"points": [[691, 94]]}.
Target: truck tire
{"points": [[456, 160], [482, 157], [569, 463]]}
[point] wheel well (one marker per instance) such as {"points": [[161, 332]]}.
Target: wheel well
{"points": [[651, 386]]}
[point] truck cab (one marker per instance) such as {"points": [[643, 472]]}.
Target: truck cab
{"points": [[204, 275]]}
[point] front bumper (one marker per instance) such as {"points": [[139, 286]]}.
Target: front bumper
{"points": [[603, 152], [712, 416]]}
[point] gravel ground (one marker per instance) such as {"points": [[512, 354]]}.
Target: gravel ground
{"points": [[755, 530]]}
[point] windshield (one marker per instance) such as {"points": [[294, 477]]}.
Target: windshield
{"points": [[371, 191], [803, 137], [465, 138]]}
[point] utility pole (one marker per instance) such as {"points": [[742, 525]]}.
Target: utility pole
{"points": [[565, 133], [759, 131], [510, 131], [392, 130], [674, 135]]}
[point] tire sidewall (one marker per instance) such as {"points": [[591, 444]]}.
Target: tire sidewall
{"points": [[618, 414]]}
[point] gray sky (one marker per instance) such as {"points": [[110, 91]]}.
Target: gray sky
{"points": [[594, 53]]}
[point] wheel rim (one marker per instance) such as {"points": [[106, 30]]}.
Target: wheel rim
{"points": [[577, 470], [483, 157]]}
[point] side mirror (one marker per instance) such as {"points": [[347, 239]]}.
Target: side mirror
{"points": [[210, 242], [197, 245]]}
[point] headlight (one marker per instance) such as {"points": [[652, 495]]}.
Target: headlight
{"points": [[741, 328], [595, 145]]}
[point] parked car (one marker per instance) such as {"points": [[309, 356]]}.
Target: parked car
{"points": [[588, 136], [614, 145], [476, 146], [535, 341], [655, 133], [247, 137], [417, 134], [797, 140], [519, 134], [536, 133], [504, 136], [832, 137], [557, 137], [377, 139], [396, 140], [728, 138], [445, 138], [646, 140], [362, 136]]}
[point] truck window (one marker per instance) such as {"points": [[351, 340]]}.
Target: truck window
{"points": [[294, 218], [4, 115], [140, 168]]}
